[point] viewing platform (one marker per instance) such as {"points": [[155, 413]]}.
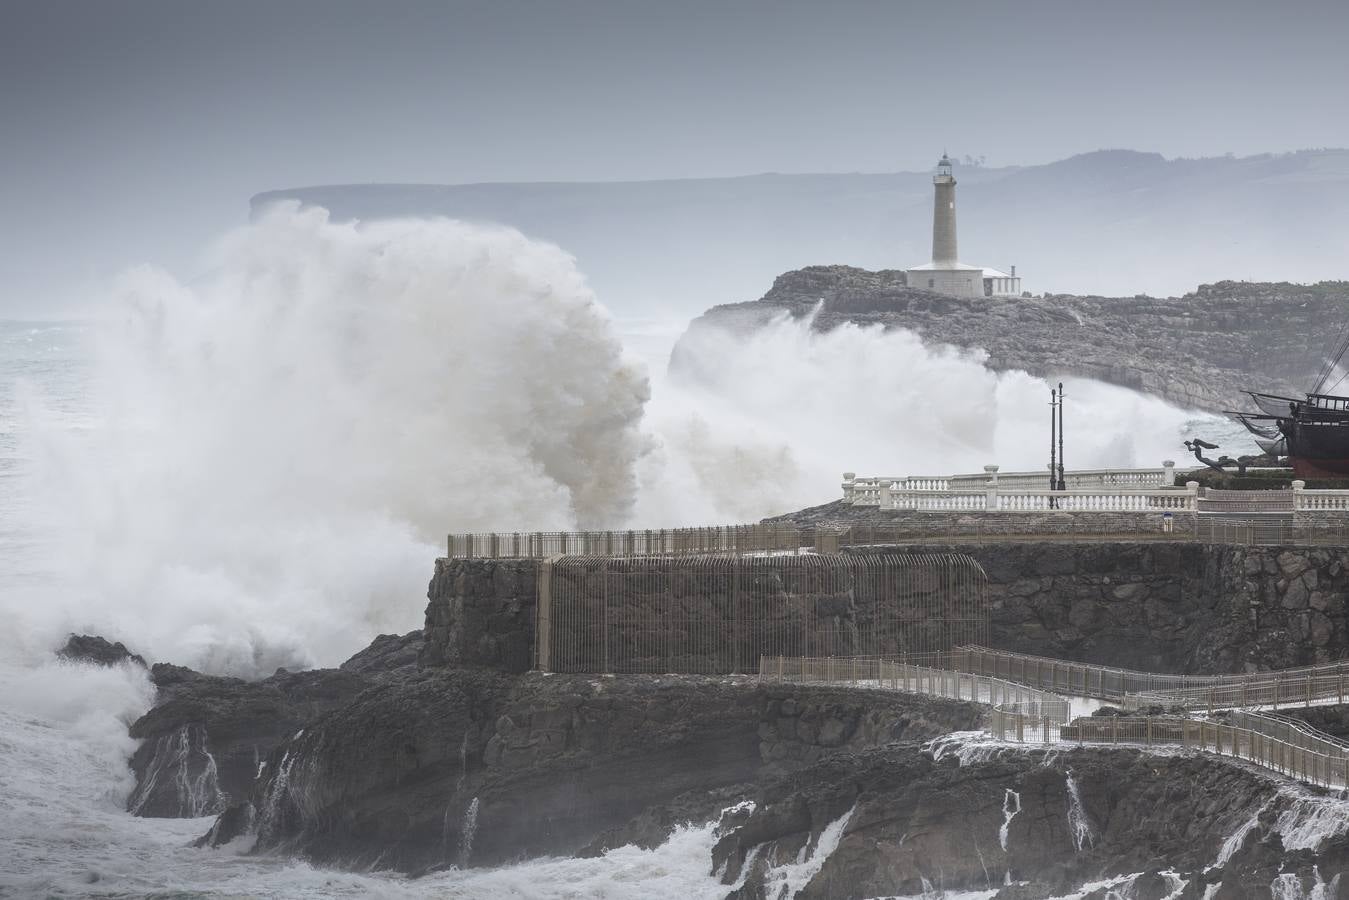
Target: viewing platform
{"points": [[1089, 490]]}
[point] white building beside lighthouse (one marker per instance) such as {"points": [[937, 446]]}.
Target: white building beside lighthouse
{"points": [[946, 274]]}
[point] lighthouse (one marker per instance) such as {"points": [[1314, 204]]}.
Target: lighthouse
{"points": [[946, 274], [944, 214]]}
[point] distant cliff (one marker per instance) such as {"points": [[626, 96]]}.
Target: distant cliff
{"points": [[1197, 351], [1113, 221]]}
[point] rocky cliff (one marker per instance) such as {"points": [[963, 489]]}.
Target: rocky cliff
{"points": [[204, 741], [1197, 351], [452, 767], [900, 821]]}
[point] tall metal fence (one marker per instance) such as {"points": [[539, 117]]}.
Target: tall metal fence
{"points": [[717, 614], [762, 539], [645, 542]]}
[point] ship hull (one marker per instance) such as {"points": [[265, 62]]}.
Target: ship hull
{"points": [[1317, 449]]}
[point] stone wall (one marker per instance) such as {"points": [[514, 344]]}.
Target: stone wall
{"points": [[481, 614], [1182, 607], [1151, 605]]}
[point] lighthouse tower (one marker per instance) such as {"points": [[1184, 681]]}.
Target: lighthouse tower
{"points": [[946, 274], [944, 214]]}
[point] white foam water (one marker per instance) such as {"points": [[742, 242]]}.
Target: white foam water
{"points": [[783, 881], [1238, 838], [1309, 821], [1011, 805], [1079, 825]]}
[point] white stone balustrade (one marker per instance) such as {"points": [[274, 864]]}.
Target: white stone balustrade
{"points": [[1099, 490], [1304, 499]]}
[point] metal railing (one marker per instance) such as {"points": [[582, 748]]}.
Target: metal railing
{"points": [[1254, 532], [1284, 687], [1028, 715], [1018, 711], [994, 528], [1304, 758]]}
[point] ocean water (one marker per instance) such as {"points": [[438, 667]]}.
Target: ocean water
{"points": [[256, 468]]}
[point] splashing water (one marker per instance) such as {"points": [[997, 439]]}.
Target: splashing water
{"points": [[1079, 826], [1011, 805], [183, 760], [279, 447], [1238, 837], [467, 833], [1310, 821], [785, 881]]}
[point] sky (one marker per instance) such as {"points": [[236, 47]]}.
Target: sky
{"points": [[137, 131]]}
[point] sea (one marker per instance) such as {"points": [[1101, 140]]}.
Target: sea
{"points": [[256, 467]]}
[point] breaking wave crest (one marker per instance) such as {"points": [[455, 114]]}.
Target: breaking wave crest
{"points": [[276, 450]]}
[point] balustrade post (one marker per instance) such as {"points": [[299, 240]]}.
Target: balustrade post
{"points": [[1299, 498], [991, 488]]}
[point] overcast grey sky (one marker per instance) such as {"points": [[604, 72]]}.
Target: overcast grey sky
{"points": [[135, 131]]}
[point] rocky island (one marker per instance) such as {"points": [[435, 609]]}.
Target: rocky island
{"points": [[1198, 351]]}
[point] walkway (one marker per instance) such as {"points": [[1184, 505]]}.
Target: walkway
{"points": [[1032, 700]]}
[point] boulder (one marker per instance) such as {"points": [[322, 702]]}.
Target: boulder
{"points": [[99, 651]]}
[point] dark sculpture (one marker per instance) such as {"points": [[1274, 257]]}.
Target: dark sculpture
{"points": [[1197, 447]]}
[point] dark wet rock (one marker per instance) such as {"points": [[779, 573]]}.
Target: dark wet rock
{"points": [[205, 740], [472, 767], [236, 821], [906, 825], [91, 648], [387, 653]]}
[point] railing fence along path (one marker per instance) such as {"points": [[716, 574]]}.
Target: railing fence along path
{"points": [[1311, 759], [1022, 691], [774, 539], [1283, 687], [1019, 712]]}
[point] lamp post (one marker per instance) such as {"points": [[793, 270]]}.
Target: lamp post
{"points": [[1053, 428], [1062, 483]]}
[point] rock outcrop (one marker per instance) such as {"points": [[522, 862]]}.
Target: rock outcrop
{"points": [[100, 651], [896, 821], [1197, 351], [446, 767], [205, 740]]}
